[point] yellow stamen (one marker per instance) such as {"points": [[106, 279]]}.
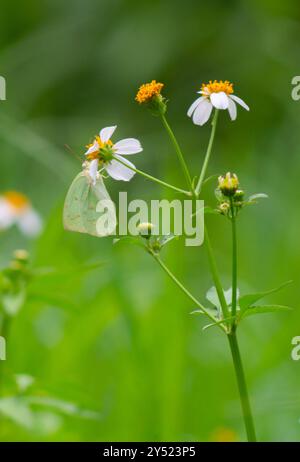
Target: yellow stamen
{"points": [[217, 86], [102, 145], [148, 90], [17, 200]]}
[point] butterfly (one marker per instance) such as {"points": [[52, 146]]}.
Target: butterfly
{"points": [[88, 207]]}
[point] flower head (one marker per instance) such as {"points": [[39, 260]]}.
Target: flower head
{"points": [[105, 154], [15, 208], [150, 95], [148, 91], [228, 184], [218, 94]]}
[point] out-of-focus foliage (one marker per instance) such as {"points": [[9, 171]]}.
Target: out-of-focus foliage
{"points": [[118, 340]]}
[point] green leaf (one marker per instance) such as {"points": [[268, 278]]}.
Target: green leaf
{"points": [[218, 322], [129, 240], [209, 310], [219, 195], [163, 240], [249, 299], [254, 197], [261, 309]]}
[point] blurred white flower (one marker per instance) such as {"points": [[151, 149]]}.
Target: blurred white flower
{"points": [[15, 208], [103, 152], [216, 94]]}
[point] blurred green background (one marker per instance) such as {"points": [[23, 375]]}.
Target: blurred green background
{"points": [[118, 341]]}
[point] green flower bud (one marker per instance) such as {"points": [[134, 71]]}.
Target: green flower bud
{"points": [[239, 196]]}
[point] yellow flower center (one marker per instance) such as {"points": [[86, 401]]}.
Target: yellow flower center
{"points": [[103, 146], [148, 90], [217, 86], [17, 200]]}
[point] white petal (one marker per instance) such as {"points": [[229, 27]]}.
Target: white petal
{"points": [[93, 148], [128, 146], [219, 100], [202, 113], [240, 102], [119, 171], [7, 214], [194, 105], [106, 133], [93, 169], [232, 109], [30, 222]]}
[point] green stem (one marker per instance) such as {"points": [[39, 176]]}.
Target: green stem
{"points": [[178, 152], [5, 326], [181, 287], [242, 386], [215, 275], [152, 178], [208, 152], [234, 259]]}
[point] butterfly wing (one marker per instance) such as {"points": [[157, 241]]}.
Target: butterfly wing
{"points": [[80, 209], [91, 213], [74, 204]]}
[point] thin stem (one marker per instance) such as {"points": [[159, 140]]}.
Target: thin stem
{"points": [[216, 277], [234, 259], [181, 286], [5, 326], [208, 152], [152, 178], [178, 152], [242, 386]]}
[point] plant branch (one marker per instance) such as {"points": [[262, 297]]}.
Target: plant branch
{"points": [[208, 152], [215, 276], [178, 152], [183, 289], [234, 259], [242, 386], [153, 178]]}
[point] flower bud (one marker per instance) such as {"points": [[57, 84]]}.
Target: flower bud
{"points": [[228, 184], [150, 94], [21, 255], [145, 229], [239, 196], [224, 207]]}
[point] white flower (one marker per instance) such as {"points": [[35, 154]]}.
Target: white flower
{"points": [[15, 208], [103, 152], [215, 94]]}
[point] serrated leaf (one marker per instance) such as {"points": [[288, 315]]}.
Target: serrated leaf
{"points": [[249, 299], [261, 309]]}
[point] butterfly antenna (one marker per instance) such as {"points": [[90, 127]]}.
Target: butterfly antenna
{"points": [[68, 148]]}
